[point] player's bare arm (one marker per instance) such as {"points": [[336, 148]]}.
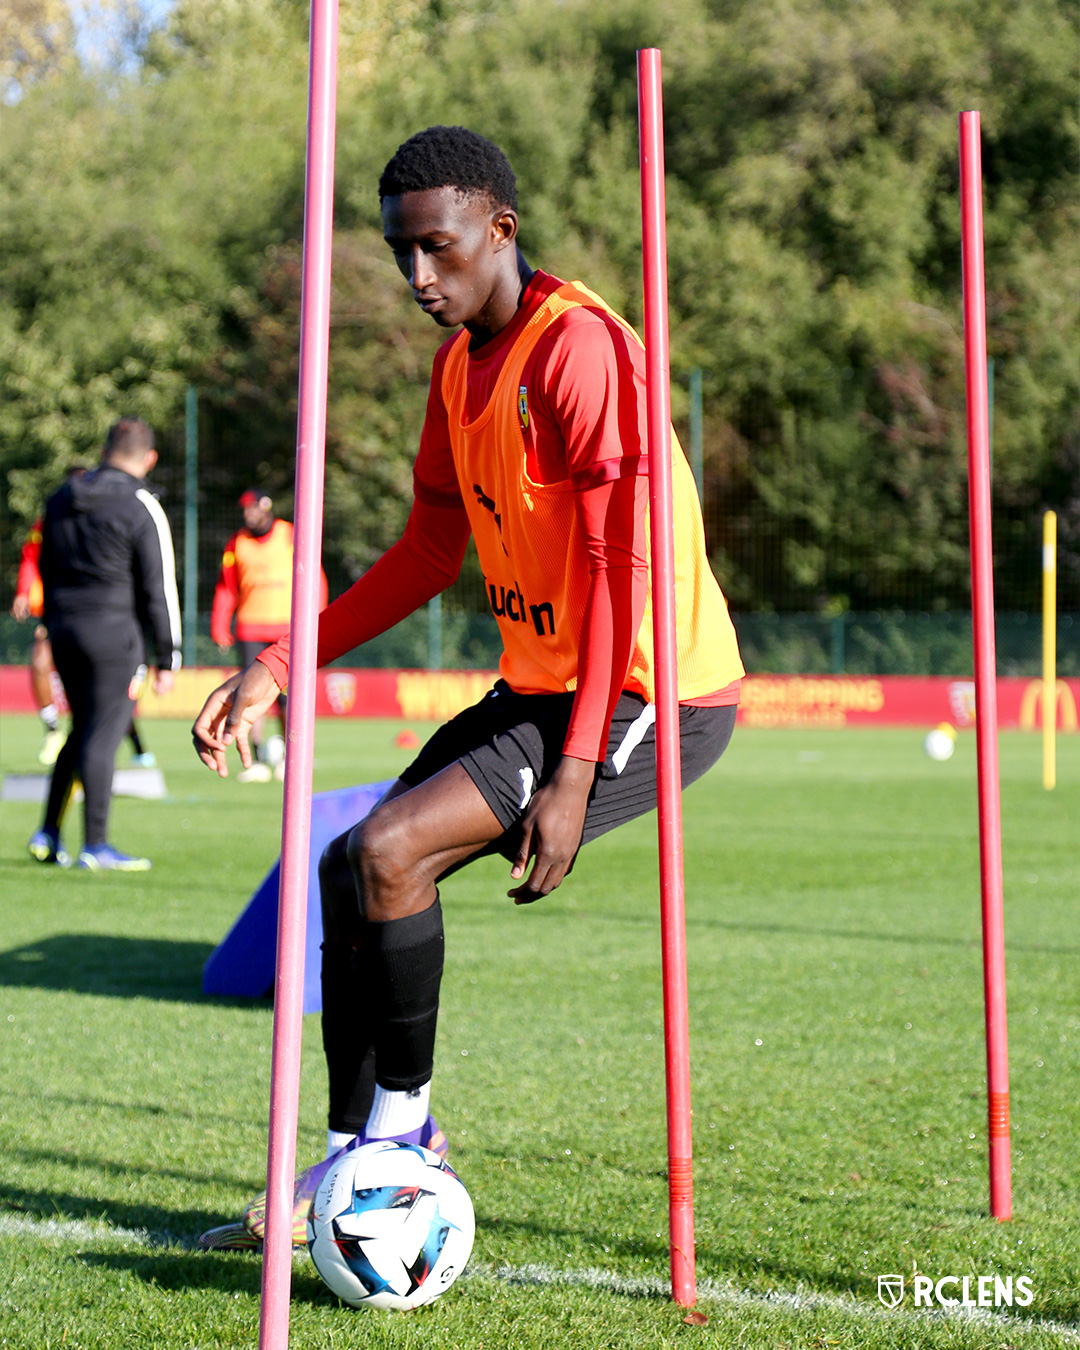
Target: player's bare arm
{"points": [[229, 714]]}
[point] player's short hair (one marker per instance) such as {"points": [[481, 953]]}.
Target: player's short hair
{"points": [[450, 157], [129, 438]]}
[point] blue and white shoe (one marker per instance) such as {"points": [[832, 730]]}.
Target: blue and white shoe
{"points": [[46, 847], [147, 760], [105, 858]]}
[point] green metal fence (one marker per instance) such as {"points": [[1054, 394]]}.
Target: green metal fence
{"points": [[893, 643]]}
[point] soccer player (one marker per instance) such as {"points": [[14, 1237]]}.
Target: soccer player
{"points": [[535, 443], [255, 583], [107, 567], [44, 681]]}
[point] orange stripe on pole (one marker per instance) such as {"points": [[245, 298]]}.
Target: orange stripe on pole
{"points": [[304, 628], [982, 614], [668, 759]]}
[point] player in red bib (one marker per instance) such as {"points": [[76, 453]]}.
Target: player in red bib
{"points": [[255, 585], [534, 442]]}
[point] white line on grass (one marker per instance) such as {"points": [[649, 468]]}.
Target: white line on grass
{"points": [[799, 1300], [709, 1291], [86, 1230]]}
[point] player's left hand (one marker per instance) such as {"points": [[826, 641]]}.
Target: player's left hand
{"points": [[229, 714], [551, 830], [163, 682]]}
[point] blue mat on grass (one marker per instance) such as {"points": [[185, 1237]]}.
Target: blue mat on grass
{"points": [[242, 966]]}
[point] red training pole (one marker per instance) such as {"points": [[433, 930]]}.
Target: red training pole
{"points": [[304, 630], [668, 757], [982, 613]]}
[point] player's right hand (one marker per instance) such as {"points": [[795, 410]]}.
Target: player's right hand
{"points": [[229, 714], [20, 608]]}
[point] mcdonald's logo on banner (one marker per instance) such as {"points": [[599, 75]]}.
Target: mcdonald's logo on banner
{"points": [[1064, 705]]}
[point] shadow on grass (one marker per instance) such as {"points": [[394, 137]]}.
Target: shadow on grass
{"points": [[111, 1167], [231, 1272], [180, 1226], [222, 1116], [910, 938], [732, 1260], [116, 967], [599, 1239], [175, 1268]]}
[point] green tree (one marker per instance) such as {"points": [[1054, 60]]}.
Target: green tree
{"points": [[152, 218]]}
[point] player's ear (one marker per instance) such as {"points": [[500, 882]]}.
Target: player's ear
{"points": [[504, 228]]}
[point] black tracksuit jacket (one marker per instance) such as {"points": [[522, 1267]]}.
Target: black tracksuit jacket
{"points": [[107, 554]]}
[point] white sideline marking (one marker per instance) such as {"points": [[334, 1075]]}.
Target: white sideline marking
{"points": [[86, 1230], [799, 1300], [709, 1291]]}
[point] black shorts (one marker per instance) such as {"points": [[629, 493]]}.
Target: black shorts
{"points": [[248, 652], [510, 744]]}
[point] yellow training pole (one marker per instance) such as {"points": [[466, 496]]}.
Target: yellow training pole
{"points": [[1049, 689]]}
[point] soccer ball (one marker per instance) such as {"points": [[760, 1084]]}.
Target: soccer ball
{"points": [[941, 742], [391, 1226]]}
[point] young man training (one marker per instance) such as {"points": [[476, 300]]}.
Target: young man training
{"points": [[535, 442]]}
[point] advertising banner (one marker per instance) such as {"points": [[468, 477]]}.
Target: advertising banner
{"points": [[767, 700]]}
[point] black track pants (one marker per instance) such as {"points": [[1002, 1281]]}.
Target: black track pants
{"points": [[97, 661]]}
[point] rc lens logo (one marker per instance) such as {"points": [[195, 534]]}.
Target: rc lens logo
{"points": [[975, 1291], [890, 1290]]}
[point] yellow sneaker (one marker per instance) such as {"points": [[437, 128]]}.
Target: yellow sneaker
{"points": [[51, 746]]}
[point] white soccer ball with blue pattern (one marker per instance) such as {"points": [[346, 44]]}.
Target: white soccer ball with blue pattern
{"points": [[391, 1226]]}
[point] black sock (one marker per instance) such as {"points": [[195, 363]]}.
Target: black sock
{"points": [[401, 965], [347, 1042]]}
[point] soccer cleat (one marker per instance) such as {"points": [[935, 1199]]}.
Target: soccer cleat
{"points": [[257, 773], [229, 1237], [46, 847], [105, 858], [51, 746], [307, 1182], [147, 760]]}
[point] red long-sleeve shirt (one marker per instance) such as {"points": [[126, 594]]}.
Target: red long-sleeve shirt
{"points": [[585, 423], [255, 581], [28, 583]]}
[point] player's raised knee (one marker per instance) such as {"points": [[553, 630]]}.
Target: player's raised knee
{"points": [[382, 860]]}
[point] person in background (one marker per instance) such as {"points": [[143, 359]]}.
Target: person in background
{"points": [[255, 585], [44, 681], [47, 689], [108, 573]]}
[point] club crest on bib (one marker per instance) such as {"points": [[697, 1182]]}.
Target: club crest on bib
{"points": [[523, 406]]}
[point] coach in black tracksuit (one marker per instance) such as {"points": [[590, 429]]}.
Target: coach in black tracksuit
{"points": [[109, 577]]}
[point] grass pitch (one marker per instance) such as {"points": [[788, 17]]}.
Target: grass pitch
{"points": [[837, 1060]]}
